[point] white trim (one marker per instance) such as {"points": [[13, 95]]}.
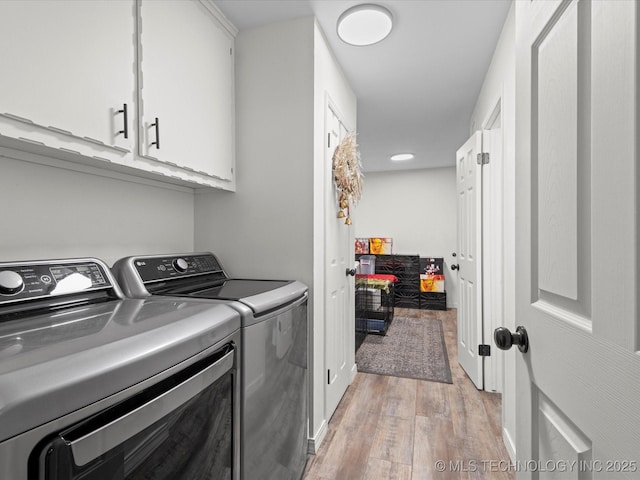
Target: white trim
{"points": [[220, 17], [489, 123], [313, 444], [115, 171], [354, 372], [509, 444], [492, 242]]}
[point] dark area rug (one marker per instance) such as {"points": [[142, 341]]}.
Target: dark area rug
{"points": [[412, 348]]}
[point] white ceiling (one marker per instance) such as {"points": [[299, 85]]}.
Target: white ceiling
{"points": [[417, 88]]}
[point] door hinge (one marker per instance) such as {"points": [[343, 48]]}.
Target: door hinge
{"points": [[483, 158], [328, 140], [328, 377], [484, 350]]}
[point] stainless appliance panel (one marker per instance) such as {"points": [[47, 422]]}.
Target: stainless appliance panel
{"points": [[275, 395], [17, 455], [99, 441], [179, 429], [69, 359]]}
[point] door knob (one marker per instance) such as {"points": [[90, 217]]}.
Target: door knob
{"points": [[455, 266], [505, 339], [351, 271]]}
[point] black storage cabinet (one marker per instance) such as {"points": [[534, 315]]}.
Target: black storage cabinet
{"points": [[407, 288]]}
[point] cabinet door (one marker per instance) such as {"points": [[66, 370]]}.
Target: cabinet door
{"points": [[67, 70], [186, 82]]}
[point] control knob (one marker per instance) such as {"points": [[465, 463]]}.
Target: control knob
{"points": [[180, 264], [10, 282]]}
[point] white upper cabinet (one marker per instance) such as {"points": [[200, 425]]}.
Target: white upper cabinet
{"points": [[186, 87], [70, 70], [67, 72]]}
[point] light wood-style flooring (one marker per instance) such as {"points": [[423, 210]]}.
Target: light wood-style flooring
{"points": [[399, 428]]}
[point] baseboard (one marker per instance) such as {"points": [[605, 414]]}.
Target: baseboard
{"points": [[354, 371], [314, 443], [509, 444]]}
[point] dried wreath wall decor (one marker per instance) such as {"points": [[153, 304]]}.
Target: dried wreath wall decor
{"points": [[347, 175]]}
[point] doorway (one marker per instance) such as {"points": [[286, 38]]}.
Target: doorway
{"points": [[480, 251]]}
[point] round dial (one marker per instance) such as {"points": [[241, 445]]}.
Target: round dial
{"points": [[180, 264], [10, 282]]}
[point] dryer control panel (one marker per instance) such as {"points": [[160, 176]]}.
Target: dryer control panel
{"points": [[152, 269]]}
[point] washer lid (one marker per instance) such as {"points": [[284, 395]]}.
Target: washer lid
{"points": [[260, 295], [235, 289], [55, 363]]}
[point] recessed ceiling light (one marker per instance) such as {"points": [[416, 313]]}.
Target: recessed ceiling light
{"points": [[364, 24], [398, 157]]}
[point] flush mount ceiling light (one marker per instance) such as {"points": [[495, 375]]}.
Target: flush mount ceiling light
{"points": [[364, 24], [398, 157]]}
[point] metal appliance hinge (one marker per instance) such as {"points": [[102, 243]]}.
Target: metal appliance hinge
{"points": [[484, 350], [483, 158]]}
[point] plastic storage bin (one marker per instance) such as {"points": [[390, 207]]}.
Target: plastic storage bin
{"points": [[367, 264]]}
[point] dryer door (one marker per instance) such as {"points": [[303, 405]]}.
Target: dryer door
{"points": [[178, 429]]}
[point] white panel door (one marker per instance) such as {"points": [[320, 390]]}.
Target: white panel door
{"points": [[339, 256], [469, 190], [492, 256], [578, 400]]}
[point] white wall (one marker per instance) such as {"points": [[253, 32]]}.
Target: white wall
{"points": [[499, 87], [51, 212], [265, 229], [418, 209], [272, 226]]}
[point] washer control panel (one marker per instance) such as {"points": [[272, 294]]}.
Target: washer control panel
{"points": [[153, 269], [32, 280]]}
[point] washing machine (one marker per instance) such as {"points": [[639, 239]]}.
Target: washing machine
{"points": [[95, 386], [273, 413]]}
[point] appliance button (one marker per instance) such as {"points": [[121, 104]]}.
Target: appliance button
{"points": [[180, 264], [10, 282]]}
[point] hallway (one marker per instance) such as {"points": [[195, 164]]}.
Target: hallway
{"points": [[405, 429]]}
